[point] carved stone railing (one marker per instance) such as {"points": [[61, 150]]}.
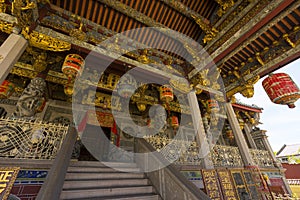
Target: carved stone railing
{"points": [[21, 138], [168, 181], [262, 158], [189, 157], [226, 156]]}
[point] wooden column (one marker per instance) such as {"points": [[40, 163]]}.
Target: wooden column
{"points": [[240, 140], [10, 52], [52, 187], [201, 138], [249, 137]]}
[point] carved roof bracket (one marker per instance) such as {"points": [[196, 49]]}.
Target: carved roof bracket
{"points": [[273, 21]]}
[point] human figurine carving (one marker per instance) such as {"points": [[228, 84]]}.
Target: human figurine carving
{"points": [[29, 101]]}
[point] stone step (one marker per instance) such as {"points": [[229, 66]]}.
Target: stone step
{"points": [[90, 184], [100, 176], [102, 169], [131, 197], [102, 164], [26, 163], [106, 192]]}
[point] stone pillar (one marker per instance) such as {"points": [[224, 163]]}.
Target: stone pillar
{"points": [[240, 140], [201, 138], [249, 137], [267, 145], [10, 52]]}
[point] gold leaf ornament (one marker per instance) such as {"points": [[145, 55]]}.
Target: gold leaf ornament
{"points": [[45, 42]]}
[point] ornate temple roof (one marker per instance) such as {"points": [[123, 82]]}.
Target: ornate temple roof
{"points": [[245, 39]]}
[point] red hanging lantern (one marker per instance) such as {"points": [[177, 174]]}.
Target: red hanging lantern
{"points": [[73, 65], [281, 89], [213, 106], [166, 93], [7, 88], [174, 122]]}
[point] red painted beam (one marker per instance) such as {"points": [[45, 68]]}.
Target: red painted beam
{"points": [[246, 108], [280, 64]]}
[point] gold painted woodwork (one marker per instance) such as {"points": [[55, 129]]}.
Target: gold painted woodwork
{"points": [[288, 40], [210, 31], [225, 5], [45, 42], [6, 27], [200, 78], [259, 59], [181, 85], [26, 13], [143, 58], [2, 6], [246, 88], [79, 33]]}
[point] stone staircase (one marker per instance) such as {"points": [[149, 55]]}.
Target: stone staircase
{"points": [[94, 180]]}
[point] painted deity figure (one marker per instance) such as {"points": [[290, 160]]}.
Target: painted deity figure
{"points": [[28, 103]]}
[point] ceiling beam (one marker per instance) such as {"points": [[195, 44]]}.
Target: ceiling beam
{"points": [[131, 12], [183, 9], [253, 37], [251, 27], [97, 27], [280, 61]]}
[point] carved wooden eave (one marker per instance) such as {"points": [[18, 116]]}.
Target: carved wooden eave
{"points": [[126, 15], [280, 35], [252, 41], [246, 29], [244, 32], [258, 33], [92, 26]]}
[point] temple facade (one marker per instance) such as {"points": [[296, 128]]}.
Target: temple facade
{"points": [[135, 99]]}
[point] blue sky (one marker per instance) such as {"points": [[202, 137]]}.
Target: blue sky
{"points": [[282, 123]]}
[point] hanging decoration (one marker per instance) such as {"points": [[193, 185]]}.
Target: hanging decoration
{"points": [[213, 106], [281, 89], [127, 86], [174, 122], [72, 67], [7, 88], [166, 93]]}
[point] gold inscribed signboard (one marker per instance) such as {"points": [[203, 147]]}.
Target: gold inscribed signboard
{"points": [[227, 185], [8, 176], [211, 184]]}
